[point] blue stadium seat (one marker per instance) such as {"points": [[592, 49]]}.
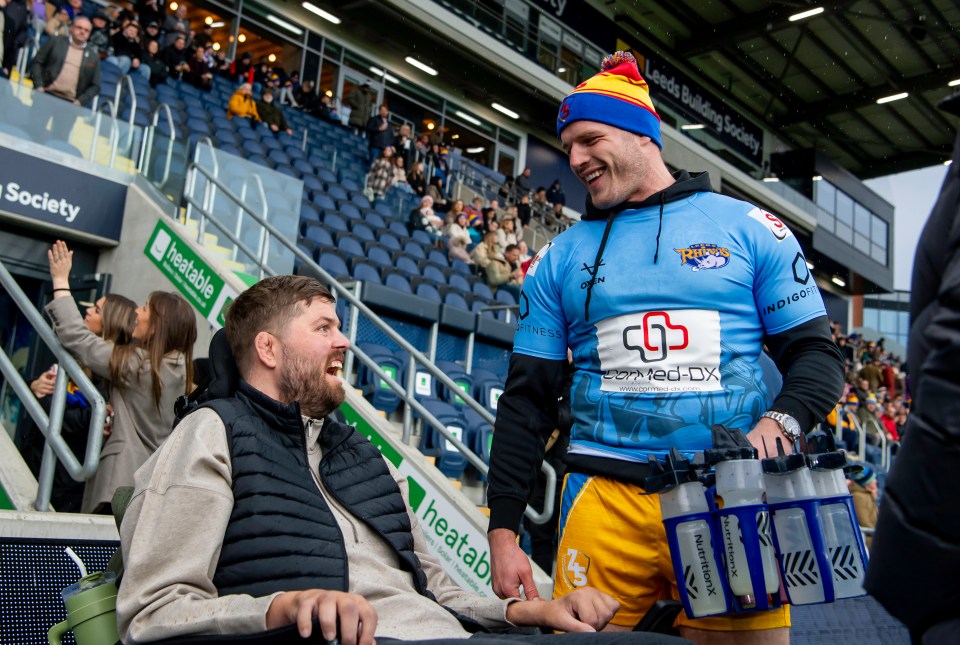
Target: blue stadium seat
{"points": [[390, 241], [288, 170], [459, 375], [375, 220], [350, 245], [380, 395], [407, 264], [457, 300], [398, 282], [333, 264], [363, 231], [280, 157], [245, 131], [386, 209], [505, 297], [399, 228], [438, 257], [366, 272], [449, 461], [335, 222], [461, 267], [269, 141], [379, 255], [477, 307], [482, 290], [428, 291], [337, 192], [487, 388], [322, 200], [227, 137], [253, 147], [306, 168], [319, 235], [434, 274], [324, 175], [310, 183], [415, 249], [360, 200], [308, 213], [422, 237], [457, 281], [349, 210]]}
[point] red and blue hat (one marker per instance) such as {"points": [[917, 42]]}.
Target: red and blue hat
{"points": [[617, 96]]}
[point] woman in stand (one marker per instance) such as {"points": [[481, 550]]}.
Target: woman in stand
{"points": [[146, 379], [112, 318]]}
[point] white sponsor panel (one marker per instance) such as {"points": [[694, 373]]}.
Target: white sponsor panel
{"points": [[537, 259], [660, 351], [772, 223]]}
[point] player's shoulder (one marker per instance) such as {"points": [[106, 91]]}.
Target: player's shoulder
{"points": [[745, 218]]}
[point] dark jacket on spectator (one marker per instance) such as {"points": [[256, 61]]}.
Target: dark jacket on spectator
{"points": [[271, 114], [122, 46], [199, 69], [171, 57], [99, 41], [16, 18], [916, 547], [379, 138], [158, 69], [47, 64]]}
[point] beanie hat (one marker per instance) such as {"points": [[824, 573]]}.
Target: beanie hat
{"points": [[617, 96], [852, 399], [864, 476]]}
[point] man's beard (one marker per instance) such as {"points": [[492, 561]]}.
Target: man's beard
{"points": [[306, 383]]}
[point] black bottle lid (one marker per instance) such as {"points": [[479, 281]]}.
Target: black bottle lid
{"points": [[729, 444], [783, 463], [822, 452], [678, 470]]}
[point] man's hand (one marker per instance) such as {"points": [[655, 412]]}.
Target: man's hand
{"points": [[274, 128], [510, 567], [764, 438], [358, 619], [43, 385], [584, 610], [39, 89]]}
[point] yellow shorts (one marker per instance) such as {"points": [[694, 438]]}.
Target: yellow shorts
{"points": [[612, 538]]}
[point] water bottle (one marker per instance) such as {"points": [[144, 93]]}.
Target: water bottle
{"points": [[841, 531], [686, 517], [792, 499], [748, 553]]}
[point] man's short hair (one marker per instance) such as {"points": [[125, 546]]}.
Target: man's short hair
{"points": [[269, 305], [511, 247]]}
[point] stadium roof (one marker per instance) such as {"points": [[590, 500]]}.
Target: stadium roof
{"points": [[817, 80], [813, 81]]}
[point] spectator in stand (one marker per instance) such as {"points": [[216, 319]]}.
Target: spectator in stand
{"points": [[149, 13], [889, 420], [152, 32], [381, 175], [270, 113], [423, 147], [243, 71], [242, 104], [222, 65], [112, 318], [871, 372], [64, 68], [485, 250], [127, 53], [525, 257], [379, 132], [78, 8], [158, 69], [400, 173], [475, 208], [457, 250], [146, 378], [889, 376], [100, 35], [176, 25], [289, 90], [360, 99], [174, 56], [490, 216], [456, 207], [457, 228], [539, 202], [524, 211], [14, 22], [435, 190], [505, 192], [424, 218], [308, 100], [504, 272], [521, 184], [58, 25], [555, 195], [863, 488], [262, 72], [405, 146], [417, 179], [205, 38], [507, 234], [200, 74]]}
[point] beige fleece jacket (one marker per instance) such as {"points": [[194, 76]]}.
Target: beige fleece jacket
{"points": [[173, 530]]}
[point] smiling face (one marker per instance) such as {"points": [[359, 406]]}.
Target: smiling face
{"points": [[609, 161], [142, 328], [311, 353], [94, 317]]}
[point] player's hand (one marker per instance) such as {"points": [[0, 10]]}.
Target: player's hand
{"points": [[764, 438], [583, 610], [61, 262], [357, 618], [510, 567]]}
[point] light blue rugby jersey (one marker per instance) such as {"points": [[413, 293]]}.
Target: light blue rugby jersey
{"points": [[674, 347]]}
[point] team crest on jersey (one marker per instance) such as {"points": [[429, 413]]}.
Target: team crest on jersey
{"points": [[576, 566], [704, 256]]}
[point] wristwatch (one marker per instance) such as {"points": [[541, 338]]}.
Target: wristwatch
{"points": [[789, 426]]}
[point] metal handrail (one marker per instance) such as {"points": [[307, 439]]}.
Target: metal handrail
{"points": [[260, 258], [114, 136], [209, 192], [125, 79], [146, 148], [881, 432], [344, 292], [51, 425]]}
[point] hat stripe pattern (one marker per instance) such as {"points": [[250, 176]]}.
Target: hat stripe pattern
{"points": [[617, 96]]}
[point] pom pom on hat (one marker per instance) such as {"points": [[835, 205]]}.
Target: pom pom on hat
{"points": [[616, 96]]}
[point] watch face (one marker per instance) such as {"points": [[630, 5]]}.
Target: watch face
{"points": [[790, 426]]}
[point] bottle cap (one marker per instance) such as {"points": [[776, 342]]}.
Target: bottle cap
{"points": [[729, 444], [675, 472], [782, 463], [822, 452]]}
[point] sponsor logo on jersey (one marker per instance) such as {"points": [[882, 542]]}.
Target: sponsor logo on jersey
{"points": [[799, 296], [535, 262], [704, 256], [575, 565], [801, 272], [592, 273], [660, 351], [772, 222]]}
